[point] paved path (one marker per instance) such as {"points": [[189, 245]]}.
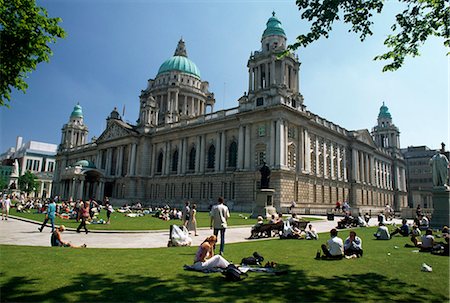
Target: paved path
{"points": [[18, 232]]}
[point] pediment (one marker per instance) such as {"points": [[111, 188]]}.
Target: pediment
{"points": [[115, 131], [364, 136]]}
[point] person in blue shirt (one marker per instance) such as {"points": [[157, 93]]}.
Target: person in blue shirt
{"points": [[51, 213], [403, 230]]}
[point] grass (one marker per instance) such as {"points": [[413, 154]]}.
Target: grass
{"points": [[44, 274], [120, 222]]}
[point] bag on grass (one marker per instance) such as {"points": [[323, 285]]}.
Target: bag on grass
{"points": [[232, 273]]}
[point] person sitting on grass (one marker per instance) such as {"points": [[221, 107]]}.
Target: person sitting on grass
{"points": [[56, 240], [205, 258], [442, 249], [424, 223], [427, 241], [353, 245], [403, 230], [382, 232], [334, 250], [311, 233], [272, 219]]}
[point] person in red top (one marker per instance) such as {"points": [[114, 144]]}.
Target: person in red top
{"points": [[84, 216]]}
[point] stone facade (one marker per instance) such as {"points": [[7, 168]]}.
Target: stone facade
{"points": [[181, 151]]}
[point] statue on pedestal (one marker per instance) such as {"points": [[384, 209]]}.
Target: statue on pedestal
{"points": [[439, 163], [265, 176]]}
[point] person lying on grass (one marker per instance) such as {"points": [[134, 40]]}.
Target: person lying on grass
{"points": [[57, 241], [205, 258]]}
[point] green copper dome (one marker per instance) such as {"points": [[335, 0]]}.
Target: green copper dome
{"points": [[77, 112], [384, 112], [273, 27], [85, 163], [180, 63]]}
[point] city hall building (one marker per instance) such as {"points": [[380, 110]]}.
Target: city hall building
{"points": [[181, 149]]}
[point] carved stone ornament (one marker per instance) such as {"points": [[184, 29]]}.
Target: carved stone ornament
{"points": [[112, 132]]}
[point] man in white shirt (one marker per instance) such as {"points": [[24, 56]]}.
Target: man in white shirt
{"points": [[427, 241], [219, 215], [382, 232], [334, 248]]}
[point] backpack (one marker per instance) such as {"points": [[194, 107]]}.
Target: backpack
{"points": [[255, 260], [232, 273]]}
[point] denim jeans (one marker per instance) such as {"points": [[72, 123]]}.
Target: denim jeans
{"points": [[222, 237], [52, 221]]}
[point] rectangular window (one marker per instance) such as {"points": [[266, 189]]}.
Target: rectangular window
{"points": [[29, 164], [262, 131], [261, 158], [51, 166], [35, 165], [259, 101]]}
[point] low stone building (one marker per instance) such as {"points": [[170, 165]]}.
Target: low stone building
{"points": [[181, 149]]}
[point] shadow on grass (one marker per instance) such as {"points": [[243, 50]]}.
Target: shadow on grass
{"points": [[191, 286]]}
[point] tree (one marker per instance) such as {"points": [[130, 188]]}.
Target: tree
{"points": [[3, 183], [28, 182], [25, 32], [420, 20]]}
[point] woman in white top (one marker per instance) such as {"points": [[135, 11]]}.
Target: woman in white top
{"points": [[205, 258], [193, 219], [6, 204]]}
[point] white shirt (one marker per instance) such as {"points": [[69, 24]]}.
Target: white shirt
{"points": [[220, 214], [6, 203], [335, 246], [383, 233], [427, 241]]}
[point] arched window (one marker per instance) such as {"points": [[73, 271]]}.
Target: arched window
{"points": [[160, 163], [192, 159], [175, 161], [211, 156], [232, 155]]}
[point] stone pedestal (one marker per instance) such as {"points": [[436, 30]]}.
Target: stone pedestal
{"points": [[264, 203], [441, 200]]}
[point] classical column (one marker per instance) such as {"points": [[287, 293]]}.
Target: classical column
{"points": [[255, 76], [184, 155], [344, 156], [202, 153], [300, 151], [272, 144], [240, 159], [81, 190], [283, 72], [258, 73], [266, 82], [368, 181], [272, 73], [247, 147], [277, 144], [317, 156], [250, 79], [153, 159], [41, 189], [133, 160], [325, 160], [175, 110], [197, 155], [355, 158], [72, 190], [218, 151], [307, 151], [167, 158], [192, 105], [338, 162], [222, 151], [332, 161], [185, 105], [108, 161], [180, 156], [119, 161]]}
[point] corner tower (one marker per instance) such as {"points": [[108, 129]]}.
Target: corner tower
{"points": [[273, 71], [385, 133], [74, 133]]}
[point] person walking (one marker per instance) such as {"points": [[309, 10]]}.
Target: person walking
{"points": [[6, 204], [193, 219], [51, 212], [219, 215], [84, 216], [186, 213]]}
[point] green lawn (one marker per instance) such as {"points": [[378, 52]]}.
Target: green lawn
{"points": [[44, 274], [120, 222]]}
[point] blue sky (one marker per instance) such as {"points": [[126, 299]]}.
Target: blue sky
{"points": [[113, 47]]}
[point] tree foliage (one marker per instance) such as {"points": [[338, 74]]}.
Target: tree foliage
{"points": [[419, 20], [26, 31], [28, 182]]}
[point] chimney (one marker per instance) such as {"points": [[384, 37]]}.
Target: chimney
{"points": [[18, 142]]}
